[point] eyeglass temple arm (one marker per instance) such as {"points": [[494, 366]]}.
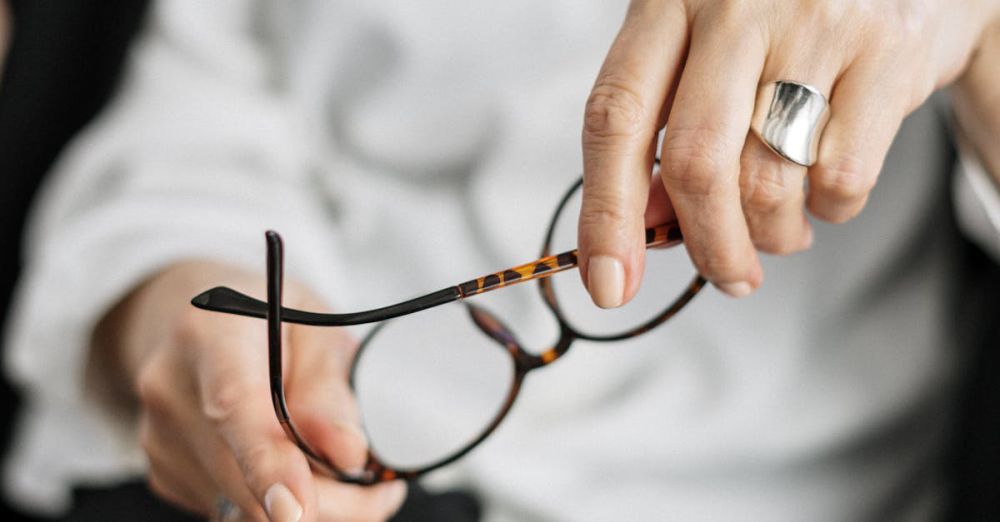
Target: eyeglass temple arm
{"points": [[227, 300]]}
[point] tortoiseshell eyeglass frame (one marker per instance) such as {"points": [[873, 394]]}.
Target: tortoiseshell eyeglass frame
{"points": [[227, 300]]}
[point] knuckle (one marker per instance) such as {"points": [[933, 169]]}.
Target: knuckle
{"points": [[829, 15], [825, 14], [743, 21], [602, 211], [907, 22], [888, 32], [845, 179], [614, 112], [152, 388], [222, 399], [733, 13], [767, 190], [694, 161]]}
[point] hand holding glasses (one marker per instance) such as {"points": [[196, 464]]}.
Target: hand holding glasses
{"points": [[399, 452]]}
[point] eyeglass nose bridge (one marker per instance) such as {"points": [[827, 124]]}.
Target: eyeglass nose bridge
{"points": [[490, 325]]}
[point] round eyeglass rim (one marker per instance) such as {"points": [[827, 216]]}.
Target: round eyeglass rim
{"points": [[377, 470]]}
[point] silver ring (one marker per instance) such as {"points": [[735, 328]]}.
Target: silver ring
{"points": [[789, 117], [226, 510]]}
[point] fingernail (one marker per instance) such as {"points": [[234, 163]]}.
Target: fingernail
{"points": [[606, 281], [281, 504], [737, 290]]}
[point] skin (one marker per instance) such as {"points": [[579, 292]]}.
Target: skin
{"points": [[695, 66], [977, 102], [199, 389]]}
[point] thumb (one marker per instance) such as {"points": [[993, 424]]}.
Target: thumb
{"points": [[320, 399]]}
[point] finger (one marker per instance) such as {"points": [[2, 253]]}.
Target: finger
{"points": [[865, 113], [320, 399], [339, 501], [235, 396], [772, 194], [705, 134], [772, 189], [620, 124]]}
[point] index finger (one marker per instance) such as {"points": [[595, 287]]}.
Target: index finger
{"points": [[623, 115]]}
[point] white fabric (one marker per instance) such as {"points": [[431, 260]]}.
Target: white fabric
{"points": [[404, 146], [977, 201]]}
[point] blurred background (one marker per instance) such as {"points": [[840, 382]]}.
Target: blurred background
{"points": [[63, 61], [62, 64]]}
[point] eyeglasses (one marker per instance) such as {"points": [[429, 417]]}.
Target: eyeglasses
{"points": [[469, 372]]}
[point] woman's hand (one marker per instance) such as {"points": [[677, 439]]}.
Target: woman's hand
{"points": [[695, 65], [206, 420], [977, 101]]}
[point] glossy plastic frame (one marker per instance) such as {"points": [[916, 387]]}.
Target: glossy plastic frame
{"points": [[227, 300]]}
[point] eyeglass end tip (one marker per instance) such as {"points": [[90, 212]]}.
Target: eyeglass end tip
{"points": [[201, 300]]}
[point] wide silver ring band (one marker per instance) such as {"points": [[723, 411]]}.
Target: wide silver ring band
{"points": [[790, 117]]}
